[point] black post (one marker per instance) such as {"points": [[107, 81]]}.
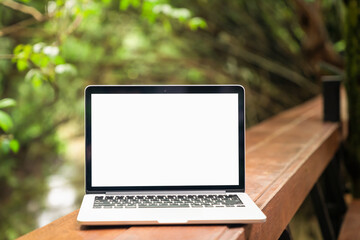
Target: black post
{"points": [[327, 194], [331, 96]]}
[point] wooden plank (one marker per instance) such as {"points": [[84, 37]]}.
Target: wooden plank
{"points": [[233, 233], [284, 196], [67, 228], [285, 156], [173, 232], [270, 158], [350, 229]]}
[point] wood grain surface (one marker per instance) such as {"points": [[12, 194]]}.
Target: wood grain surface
{"points": [[285, 156]]}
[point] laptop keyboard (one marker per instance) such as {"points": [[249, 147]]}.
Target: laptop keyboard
{"points": [[168, 201]]}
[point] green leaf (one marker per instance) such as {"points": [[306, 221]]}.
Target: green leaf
{"points": [[196, 23], [5, 121], [167, 25], [40, 59], [14, 145], [36, 82], [59, 60], [18, 49], [106, 2], [21, 64], [60, 3], [35, 76], [135, 3], [33, 72], [340, 46], [124, 4], [7, 102], [44, 62], [147, 11], [27, 51], [5, 146]]}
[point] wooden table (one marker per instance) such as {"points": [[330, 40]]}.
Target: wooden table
{"points": [[285, 156]]}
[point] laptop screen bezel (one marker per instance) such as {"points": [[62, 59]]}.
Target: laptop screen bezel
{"points": [[164, 89]]}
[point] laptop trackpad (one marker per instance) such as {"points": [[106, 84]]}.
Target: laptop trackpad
{"points": [[172, 220]]}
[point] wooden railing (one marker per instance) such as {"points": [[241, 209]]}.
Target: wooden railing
{"points": [[285, 156]]}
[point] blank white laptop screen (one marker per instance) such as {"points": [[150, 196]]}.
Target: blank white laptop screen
{"points": [[164, 139]]}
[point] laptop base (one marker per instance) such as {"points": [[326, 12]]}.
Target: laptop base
{"points": [[167, 216]]}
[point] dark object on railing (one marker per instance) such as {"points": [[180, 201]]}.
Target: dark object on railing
{"points": [[331, 95]]}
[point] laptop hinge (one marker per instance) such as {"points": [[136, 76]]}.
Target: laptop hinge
{"points": [[166, 192]]}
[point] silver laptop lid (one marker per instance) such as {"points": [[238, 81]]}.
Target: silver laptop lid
{"points": [[146, 138]]}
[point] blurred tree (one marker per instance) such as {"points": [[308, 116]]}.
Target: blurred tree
{"points": [[257, 44], [352, 85], [318, 49], [316, 45]]}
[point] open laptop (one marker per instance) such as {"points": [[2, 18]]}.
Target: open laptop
{"points": [[166, 155]]}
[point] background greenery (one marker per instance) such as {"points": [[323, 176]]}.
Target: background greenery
{"points": [[51, 50]]}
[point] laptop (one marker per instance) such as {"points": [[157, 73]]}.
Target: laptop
{"points": [[166, 155]]}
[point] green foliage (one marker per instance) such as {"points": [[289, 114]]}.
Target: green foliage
{"points": [[7, 142], [5, 121], [49, 72], [6, 145], [352, 86], [43, 61], [7, 102], [196, 23], [124, 4], [340, 46]]}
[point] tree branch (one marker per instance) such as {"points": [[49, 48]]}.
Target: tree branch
{"points": [[23, 8], [6, 56], [20, 25], [271, 66], [316, 45]]}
